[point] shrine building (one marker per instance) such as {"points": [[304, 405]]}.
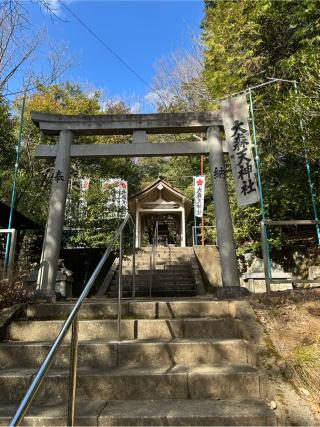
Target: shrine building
{"points": [[160, 202]]}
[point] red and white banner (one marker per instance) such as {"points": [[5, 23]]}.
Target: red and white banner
{"points": [[123, 195], [118, 194], [84, 184], [105, 185], [199, 187]]}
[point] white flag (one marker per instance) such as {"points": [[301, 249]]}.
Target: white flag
{"points": [[84, 184], [199, 186], [117, 197], [234, 113], [123, 195], [104, 185]]}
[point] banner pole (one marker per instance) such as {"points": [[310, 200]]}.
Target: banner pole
{"points": [[257, 159]]}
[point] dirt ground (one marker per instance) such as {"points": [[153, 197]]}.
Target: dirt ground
{"points": [[292, 319], [15, 292]]}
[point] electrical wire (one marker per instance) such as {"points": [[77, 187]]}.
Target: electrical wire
{"points": [[112, 51], [107, 47]]}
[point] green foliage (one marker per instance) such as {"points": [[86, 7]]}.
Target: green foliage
{"points": [[7, 152], [7, 137], [246, 42]]}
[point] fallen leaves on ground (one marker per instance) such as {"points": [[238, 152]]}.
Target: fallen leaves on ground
{"points": [[15, 291], [292, 319]]}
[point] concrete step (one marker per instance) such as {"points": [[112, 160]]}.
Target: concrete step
{"points": [[188, 352], [25, 330], [104, 309], [157, 281], [54, 414], [137, 353], [163, 260], [160, 261], [149, 413], [167, 248], [161, 254], [155, 287], [176, 266], [161, 281], [155, 294], [177, 382], [161, 274], [187, 413], [161, 269]]}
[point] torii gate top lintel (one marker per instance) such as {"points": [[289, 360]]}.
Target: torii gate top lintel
{"points": [[125, 124]]}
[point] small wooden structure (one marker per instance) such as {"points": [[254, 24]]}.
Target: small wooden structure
{"points": [[160, 202]]}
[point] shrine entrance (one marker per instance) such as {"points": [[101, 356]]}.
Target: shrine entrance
{"points": [[137, 126], [169, 229]]}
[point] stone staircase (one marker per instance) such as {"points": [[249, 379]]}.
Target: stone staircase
{"points": [[174, 275], [180, 362]]}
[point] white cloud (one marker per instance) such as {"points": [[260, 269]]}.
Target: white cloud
{"points": [[52, 6]]}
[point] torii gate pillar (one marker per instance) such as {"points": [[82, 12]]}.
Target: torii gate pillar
{"points": [[52, 239], [225, 239]]}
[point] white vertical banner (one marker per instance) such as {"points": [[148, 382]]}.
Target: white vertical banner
{"points": [[104, 185], [123, 196], [84, 184], [117, 197], [199, 186], [83, 205], [235, 114]]}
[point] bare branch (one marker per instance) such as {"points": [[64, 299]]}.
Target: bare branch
{"points": [[19, 48], [179, 78]]}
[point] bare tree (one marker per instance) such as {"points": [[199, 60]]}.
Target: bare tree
{"points": [[19, 48], [179, 79]]}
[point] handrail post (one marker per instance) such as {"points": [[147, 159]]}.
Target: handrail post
{"points": [[120, 287], [264, 255], [73, 372], [134, 264], [151, 271]]}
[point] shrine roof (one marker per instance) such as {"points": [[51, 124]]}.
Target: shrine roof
{"points": [[153, 186]]}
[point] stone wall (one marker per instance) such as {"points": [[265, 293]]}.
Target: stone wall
{"points": [[209, 262]]}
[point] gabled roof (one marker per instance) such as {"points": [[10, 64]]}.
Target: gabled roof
{"points": [[153, 186]]}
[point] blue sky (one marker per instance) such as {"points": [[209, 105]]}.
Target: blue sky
{"points": [[138, 31]]}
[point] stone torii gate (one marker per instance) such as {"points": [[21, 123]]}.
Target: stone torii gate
{"points": [[137, 126]]}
